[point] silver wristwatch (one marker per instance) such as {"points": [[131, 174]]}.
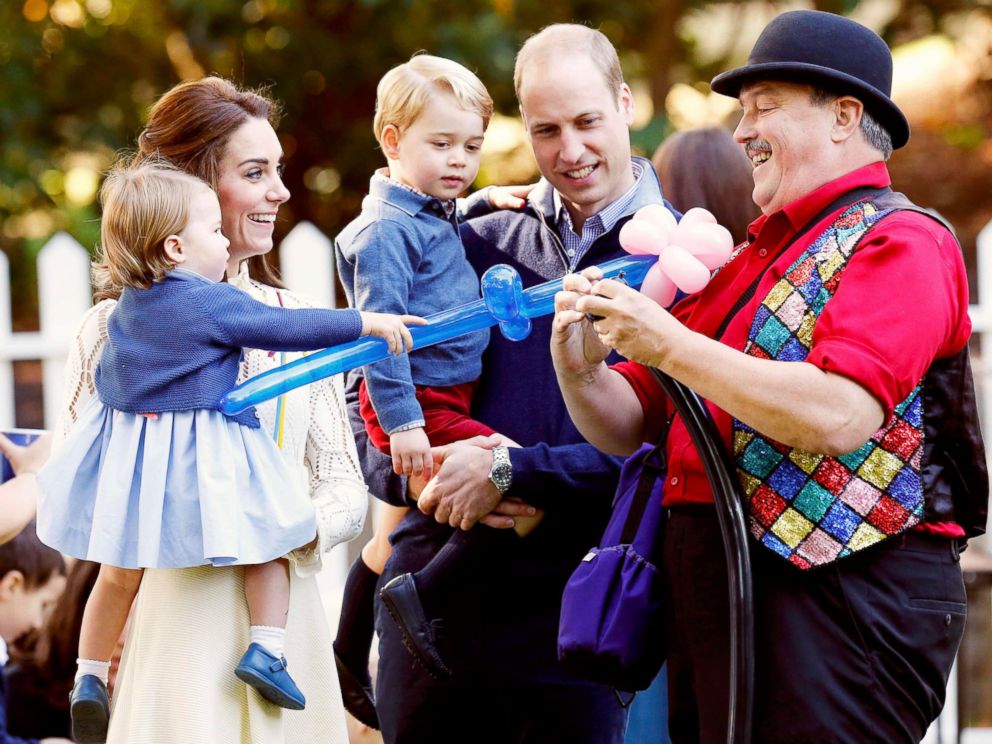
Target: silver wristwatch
{"points": [[501, 473]]}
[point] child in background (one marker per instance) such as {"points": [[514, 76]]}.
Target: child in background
{"points": [[32, 576], [153, 474], [404, 254], [43, 663]]}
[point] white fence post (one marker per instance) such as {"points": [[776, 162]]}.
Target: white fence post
{"points": [[64, 294], [306, 261], [63, 297], [6, 342], [981, 320]]}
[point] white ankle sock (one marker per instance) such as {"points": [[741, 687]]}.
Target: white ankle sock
{"points": [[269, 637], [99, 669]]}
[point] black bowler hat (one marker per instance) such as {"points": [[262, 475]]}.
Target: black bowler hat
{"points": [[841, 55]]}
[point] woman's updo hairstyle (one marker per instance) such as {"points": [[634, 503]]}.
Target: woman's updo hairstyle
{"points": [[191, 124]]}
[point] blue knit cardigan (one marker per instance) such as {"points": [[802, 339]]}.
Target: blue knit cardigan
{"points": [[176, 346]]}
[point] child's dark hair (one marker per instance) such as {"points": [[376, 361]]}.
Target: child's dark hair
{"points": [[45, 659], [29, 555]]}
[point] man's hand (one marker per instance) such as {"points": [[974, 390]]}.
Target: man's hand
{"points": [[411, 452], [28, 459], [575, 346], [632, 323], [461, 493], [415, 484]]}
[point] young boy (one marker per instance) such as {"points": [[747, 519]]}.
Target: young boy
{"points": [[32, 576], [404, 251]]}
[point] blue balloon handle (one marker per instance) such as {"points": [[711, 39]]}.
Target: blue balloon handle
{"points": [[504, 303]]}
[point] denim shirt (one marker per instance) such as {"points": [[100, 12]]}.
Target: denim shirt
{"points": [[402, 254]]}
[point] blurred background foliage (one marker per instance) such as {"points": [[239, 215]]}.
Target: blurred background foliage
{"points": [[80, 75]]}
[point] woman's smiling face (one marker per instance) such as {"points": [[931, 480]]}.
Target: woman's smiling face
{"points": [[250, 189]]}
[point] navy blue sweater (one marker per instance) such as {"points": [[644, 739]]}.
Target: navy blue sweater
{"points": [[176, 345], [6, 738], [504, 621]]}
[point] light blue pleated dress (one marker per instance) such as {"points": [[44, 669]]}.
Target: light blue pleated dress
{"points": [[181, 489]]}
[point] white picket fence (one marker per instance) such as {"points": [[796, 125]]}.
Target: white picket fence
{"points": [[307, 263], [64, 294]]}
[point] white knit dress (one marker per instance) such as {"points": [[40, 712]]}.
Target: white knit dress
{"points": [[189, 627]]}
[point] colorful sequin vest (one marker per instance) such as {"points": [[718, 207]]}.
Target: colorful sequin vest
{"points": [[809, 508]]}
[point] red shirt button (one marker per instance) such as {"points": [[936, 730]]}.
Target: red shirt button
{"points": [[762, 252], [674, 481]]}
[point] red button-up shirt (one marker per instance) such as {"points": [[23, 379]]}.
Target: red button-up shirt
{"points": [[902, 303]]}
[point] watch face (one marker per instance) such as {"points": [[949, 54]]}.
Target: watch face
{"points": [[501, 474], [502, 471]]}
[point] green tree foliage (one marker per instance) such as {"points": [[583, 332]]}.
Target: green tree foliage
{"points": [[80, 75]]}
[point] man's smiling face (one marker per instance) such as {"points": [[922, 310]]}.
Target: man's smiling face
{"points": [[787, 139], [579, 131]]}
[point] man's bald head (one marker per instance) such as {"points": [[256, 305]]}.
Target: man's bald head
{"points": [[564, 40]]}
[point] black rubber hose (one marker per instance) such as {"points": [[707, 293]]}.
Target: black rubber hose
{"points": [[720, 473]]}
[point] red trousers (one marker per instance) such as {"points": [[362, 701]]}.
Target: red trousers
{"points": [[446, 415]]}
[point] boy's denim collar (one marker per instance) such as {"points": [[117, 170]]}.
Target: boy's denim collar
{"points": [[407, 200], [541, 198]]}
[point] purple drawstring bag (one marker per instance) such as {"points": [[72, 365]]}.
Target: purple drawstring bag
{"points": [[611, 628]]}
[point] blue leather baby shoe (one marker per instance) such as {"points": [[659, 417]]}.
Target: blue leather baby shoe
{"points": [[268, 675], [89, 708]]}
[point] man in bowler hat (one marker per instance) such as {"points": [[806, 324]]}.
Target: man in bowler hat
{"points": [[832, 351]]}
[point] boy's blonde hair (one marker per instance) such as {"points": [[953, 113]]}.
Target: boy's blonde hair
{"points": [[143, 204], [404, 91]]}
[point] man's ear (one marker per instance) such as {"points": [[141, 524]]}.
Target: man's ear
{"points": [[10, 584], [391, 141], [625, 103], [847, 117], [173, 247]]}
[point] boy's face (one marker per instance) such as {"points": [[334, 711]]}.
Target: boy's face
{"points": [[22, 608], [203, 245], [439, 152]]}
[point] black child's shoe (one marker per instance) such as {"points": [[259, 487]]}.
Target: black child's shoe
{"points": [[403, 603], [89, 708], [357, 695]]}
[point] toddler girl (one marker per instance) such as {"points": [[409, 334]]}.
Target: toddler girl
{"points": [[153, 474]]}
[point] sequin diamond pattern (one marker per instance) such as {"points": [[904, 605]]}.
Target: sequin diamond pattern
{"points": [[813, 509]]}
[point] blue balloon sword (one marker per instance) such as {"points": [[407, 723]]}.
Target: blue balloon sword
{"points": [[504, 303]]}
